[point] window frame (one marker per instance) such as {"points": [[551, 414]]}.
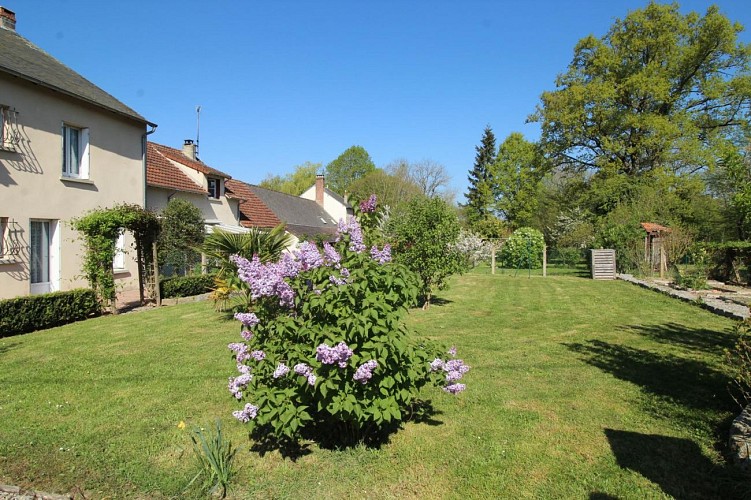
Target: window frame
{"points": [[9, 137], [81, 142], [217, 190], [118, 260], [3, 235]]}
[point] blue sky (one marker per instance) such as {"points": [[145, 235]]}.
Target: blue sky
{"points": [[284, 82]]}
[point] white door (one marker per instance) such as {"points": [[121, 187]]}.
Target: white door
{"points": [[44, 268]]}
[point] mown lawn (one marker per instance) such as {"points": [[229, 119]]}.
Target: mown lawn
{"points": [[578, 389]]}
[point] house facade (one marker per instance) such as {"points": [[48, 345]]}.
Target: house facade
{"points": [[67, 147], [178, 173]]}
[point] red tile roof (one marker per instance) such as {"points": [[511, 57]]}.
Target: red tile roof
{"points": [[651, 227], [160, 172], [253, 211]]}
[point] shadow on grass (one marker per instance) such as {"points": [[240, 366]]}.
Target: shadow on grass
{"points": [[7, 347], [676, 465], [338, 436], [686, 382], [709, 341]]}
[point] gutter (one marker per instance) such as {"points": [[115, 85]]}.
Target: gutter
{"points": [[143, 156]]}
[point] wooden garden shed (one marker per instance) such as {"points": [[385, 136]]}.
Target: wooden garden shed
{"points": [[654, 252]]}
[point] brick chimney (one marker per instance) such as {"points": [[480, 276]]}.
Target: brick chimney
{"points": [[7, 19], [189, 149], [319, 189]]}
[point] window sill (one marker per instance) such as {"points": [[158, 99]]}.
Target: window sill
{"points": [[215, 200], [8, 149], [120, 271], [77, 180], [8, 260], [80, 180]]}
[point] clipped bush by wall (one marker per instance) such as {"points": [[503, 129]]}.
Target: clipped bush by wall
{"points": [[186, 286], [37, 312]]}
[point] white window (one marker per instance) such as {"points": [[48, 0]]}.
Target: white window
{"points": [[75, 152], [214, 191], [118, 263]]}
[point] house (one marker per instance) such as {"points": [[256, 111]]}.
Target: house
{"points": [[66, 147], [177, 173], [264, 208], [335, 205]]}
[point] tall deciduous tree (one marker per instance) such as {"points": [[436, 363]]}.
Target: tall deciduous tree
{"points": [[660, 90], [349, 166], [480, 193], [182, 234], [294, 183], [517, 175], [392, 185], [424, 240]]}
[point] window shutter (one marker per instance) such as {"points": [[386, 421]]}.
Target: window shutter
{"points": [[85, 149]]}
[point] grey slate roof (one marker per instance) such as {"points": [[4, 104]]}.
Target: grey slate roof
{"points": [[303, 217], [23, 59]]}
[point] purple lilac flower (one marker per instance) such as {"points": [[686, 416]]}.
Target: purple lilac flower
{"points": [[238, 384], [330, 355], [258, 355], [453, 376], [311, 379], [330, 255], [353, 229], [454, 388], [265, 280], [381, 256], [365, 371], [345, 272], [240, 350], [337, 281], [248, 319], [281, 370], [369, 205], [244, 415], [289, 266], [309, 256], [452, 351], [302, 369], [245, 369], [436, 364], [247, 335], [456, 365]]}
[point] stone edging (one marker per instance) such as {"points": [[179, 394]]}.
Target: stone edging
{"points": [[713, 304], [15, 493]]}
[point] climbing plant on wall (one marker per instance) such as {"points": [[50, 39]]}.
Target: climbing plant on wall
{"points": [[100, 229]]}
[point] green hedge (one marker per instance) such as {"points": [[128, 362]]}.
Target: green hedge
{"points": [[186, 286], [37, 312]]}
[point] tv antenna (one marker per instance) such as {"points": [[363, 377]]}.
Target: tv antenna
{"points": [[198, 126]]}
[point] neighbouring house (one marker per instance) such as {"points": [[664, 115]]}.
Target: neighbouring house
{"points": [[178, 173], [264, 208], [335, 205], [66, 147]]}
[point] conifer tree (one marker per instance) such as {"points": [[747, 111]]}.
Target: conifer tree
{"points": [[480, 193]]}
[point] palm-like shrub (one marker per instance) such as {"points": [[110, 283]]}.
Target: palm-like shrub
{"points": [[220, 245]]}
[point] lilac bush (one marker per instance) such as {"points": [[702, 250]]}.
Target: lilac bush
{"points": [[324, 344]]}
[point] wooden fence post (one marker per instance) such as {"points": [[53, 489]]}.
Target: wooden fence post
{"points": [[492, 258], [157, 292], [544, 261]]}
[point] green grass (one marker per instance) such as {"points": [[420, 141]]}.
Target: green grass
{"points": [[578, 389]]}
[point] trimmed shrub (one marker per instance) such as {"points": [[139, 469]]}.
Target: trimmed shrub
{"points": [[523, 249], [186, 286], [37, 312]]}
